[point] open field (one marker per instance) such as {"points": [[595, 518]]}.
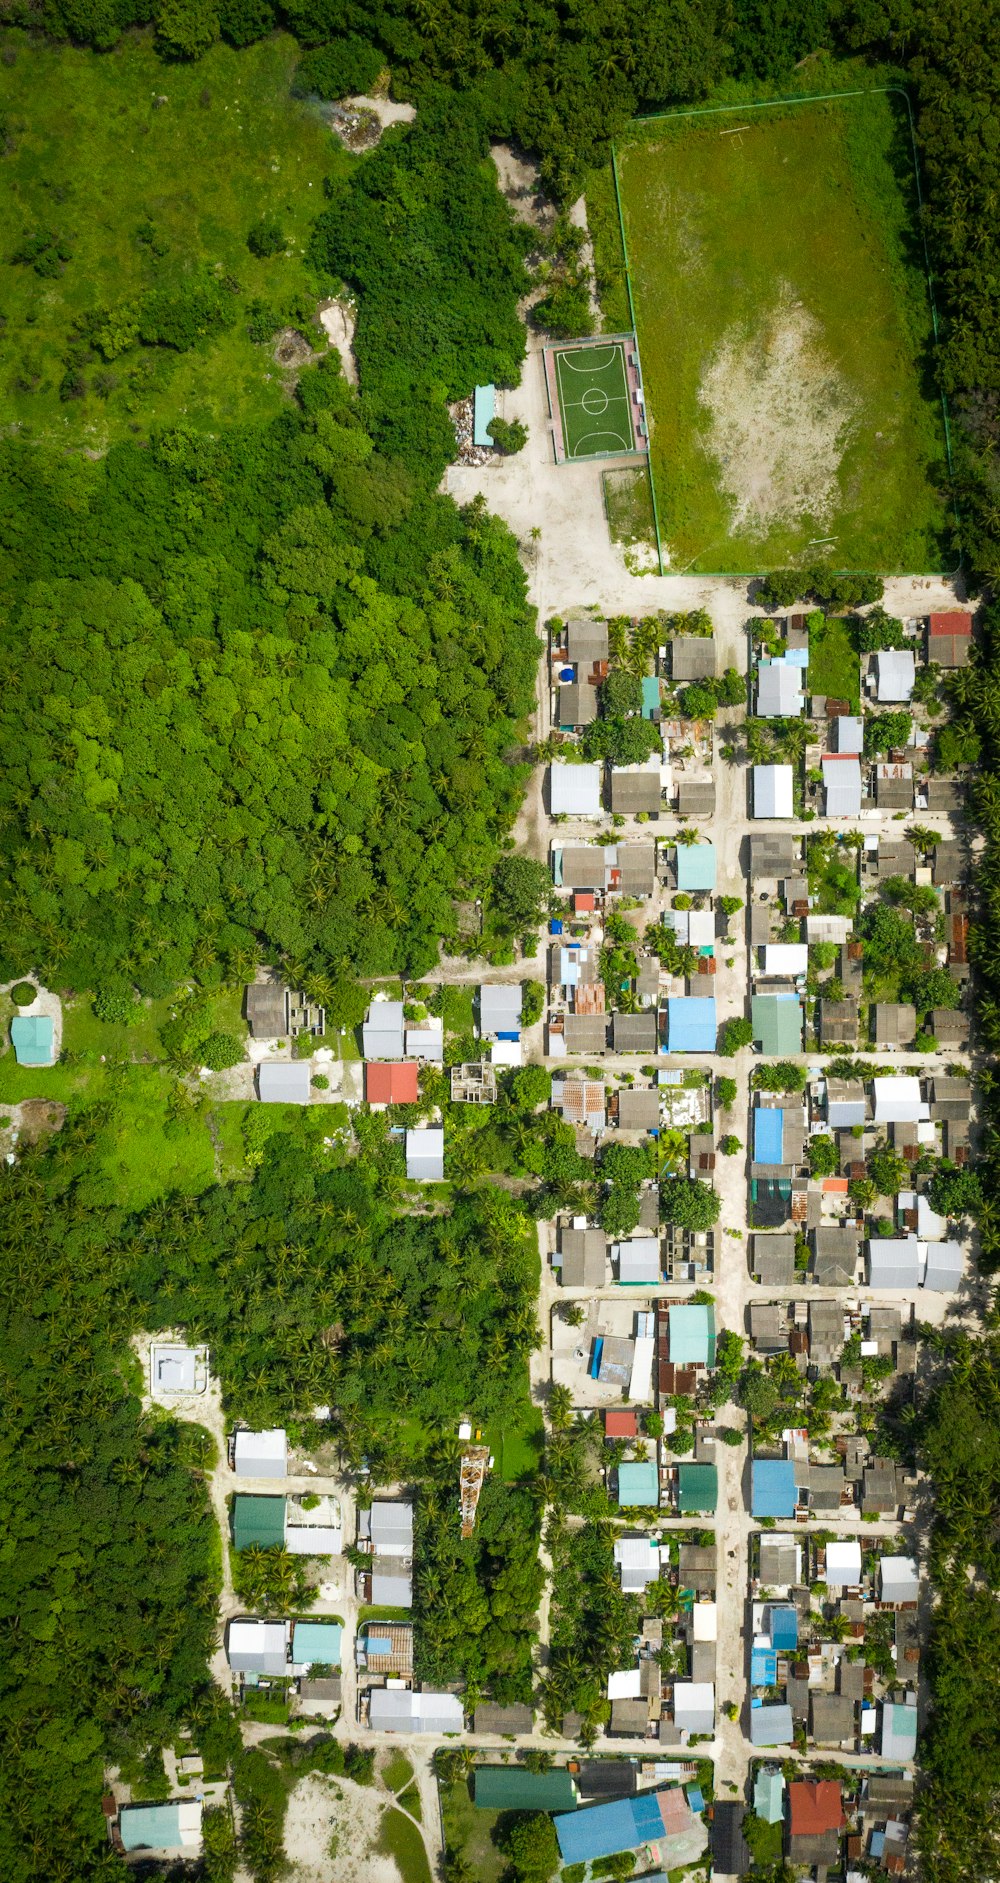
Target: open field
{"points": [[150, 177], [785, 332]]}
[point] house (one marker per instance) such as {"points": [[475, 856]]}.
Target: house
{"points": [[696, 1568], [697, 1488], [949, 638], [731, 1854], [635, 791], [584, 1258], [382, 1036], [586, 640], [638, 1109], [259, 1647], [174, 1370], [638, 1261], [772, 791], [171, 1830], [629, 1718], [651, 697], [283, 1082], [890, 856], [894, 787], [425, 1039], [315, 1644], [260, 1454], [638, 1485], [838, 1022], [633, 868], [425, 1154], [843, 1564], [391, 1586], [950, 1029], [576, 704], [647, 981], [898, 1100], [899, 1580], [625, 1823], [773, 856], [832, 1721], [780, 1562], [772, 1259], [826, 1334], [779, 689], [696, 797], [768, 1326], [692, 1333], [777, 1023], [842, 784], [691, 1024], [898, 1739], [771, 1726], [513, 1787], [581, 1102], [893, 1262], [386, 1647], [951, 1098], [388, 1527], [258, 1522], [845, 1103], [634, 1033], [267, 1010], [785, 960], [778, 1138], [580, 866], [638, 1560], [944, 794], [815, 1821], [509, 1722], [401, 1710], [500, 1008], [585, 1033], [848, 735], [694, 1706], [392, 1083], [575, 790], [945, 1267], [948, 864], [773, 1492], [881, 1488], [769, 1795], [896, 672], [835, 1258], [692, 657], [695, 863], [894, 1024]]}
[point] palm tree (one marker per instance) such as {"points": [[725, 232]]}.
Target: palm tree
{"points": [[560, 1408]]}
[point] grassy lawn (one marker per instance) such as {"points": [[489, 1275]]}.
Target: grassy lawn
{"points": [[518, 1449], [410, 1801], [402, 1841], [784, 326], [397, 1771], [834, 667], [629, 506], [469, 1830], [149, 197]]}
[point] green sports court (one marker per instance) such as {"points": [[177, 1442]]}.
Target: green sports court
{"points": [[595, 405]]}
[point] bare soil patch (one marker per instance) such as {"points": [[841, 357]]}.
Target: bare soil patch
{"points": [[38, 1118], [338, 322], [332, 1829], [291, 348], [781, 415]]}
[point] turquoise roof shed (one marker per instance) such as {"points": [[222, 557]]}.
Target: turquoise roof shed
{"points": [[33, 1039]]}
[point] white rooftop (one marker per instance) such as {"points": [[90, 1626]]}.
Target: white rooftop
{"points": [[772, 791], [575, 790], [843, 1563], [788, 958]]}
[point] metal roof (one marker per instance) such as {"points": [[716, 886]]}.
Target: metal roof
{"points": [[283, 1082], [893, 1262], [696, 866], [777, 1022], [33, 1039], [382, 1033], [692, 1333], [773, 1493], [425, 1154], [500, 1007], [513, 1788], [638, 1484], [400, 1710], [172, 1826], [260, 1454], [771, 1726], [779, 689], [258, 1647], [768, 1134], [258, 1520], [772, 791], [691, 1024], [391, 1527], [842, 781], [899, 1732], [575, 790], [317, 1641], [896, 674]]}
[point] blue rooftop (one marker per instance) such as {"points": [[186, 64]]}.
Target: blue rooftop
{"points": [[692, 1333], [763, 1668], [691, 1024], [638, 1484], [484, 406], [696, 866], [151, 1827], [32, 1038], [773, 1487], [603, 1830], [316, 1641], [768, 1135], [650, 695], [784, 1629]]}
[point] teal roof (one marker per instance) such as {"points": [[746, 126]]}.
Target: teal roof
{"points": [[484, 405], [259, 1520], [151, 1827], [692, 1334], [316, 1641], [512, 1788], [768, 1796], [638, 1484], [33, 1038], [696, 866], [650, 695], [777, 1022], [697, 1487]]}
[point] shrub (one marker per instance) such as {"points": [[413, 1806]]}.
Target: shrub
{"points": [[23, 993], [320, 1083], [729, 1145], [116, 1005], [222, 1050], [345, 68], [266, 239], [509, 437]]}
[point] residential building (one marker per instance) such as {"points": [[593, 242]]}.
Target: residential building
{"points": [[513, 1787], [696, 797], [695, 865], [691, 1024], [779, 689], [777, 1023], [638, 1109], [894, 1024], [771, 1725], [172, 1829], [425, 1154], [772, 791], [576, 704], [402, 1710], [260, 1454], [635, 791], [896, 672], [382, 1036], [586, 640], [388, 1083], [283, 1081], [584, 1258], [259, 1647], [575, 790], [581, 1102], [949, 639], [634, 1033], [842, 784], [692, 657]]}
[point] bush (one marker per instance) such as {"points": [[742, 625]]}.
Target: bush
{"points": [[725, 1092], [344, 69], [222, 1050], [23, 993], [266, 239], [116, 1005], [735, 1034], [320, 1083], [729, 1145], [566, 312], [509, 437]]}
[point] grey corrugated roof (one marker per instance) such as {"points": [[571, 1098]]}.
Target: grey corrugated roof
{"points": [[391, 1525], [893, 1262], [634, 1032], [283, 1082], [692, 657]]}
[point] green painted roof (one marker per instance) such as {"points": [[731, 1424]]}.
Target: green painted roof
{"points": [[692, 1334], [768, 1796], [777, 1022], [32, 1038], [638, 1484], [258, 1520], [697, 1487], [316, 1641], [511, 1788]]}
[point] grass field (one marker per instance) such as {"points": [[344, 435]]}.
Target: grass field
{"points": [[469, 1829], [402, 1841], [594, 401], [834, 666], [785, 334], [148, 196]]}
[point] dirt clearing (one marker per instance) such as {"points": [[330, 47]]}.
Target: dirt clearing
{"points": [[332, 1830], [781, 417]]}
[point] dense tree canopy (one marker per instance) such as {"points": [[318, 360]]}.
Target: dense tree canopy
{"points": [[282, 732]]}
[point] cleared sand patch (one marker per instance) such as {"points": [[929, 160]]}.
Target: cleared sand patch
{"points": [[332, 1829], [781, 415]]}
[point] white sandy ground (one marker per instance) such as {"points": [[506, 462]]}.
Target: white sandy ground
{"points": [[322, 1808], [338, 321]]}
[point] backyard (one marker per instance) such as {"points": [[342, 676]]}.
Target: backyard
{"points": [[180, 162], [784, 325], [834, 667]]}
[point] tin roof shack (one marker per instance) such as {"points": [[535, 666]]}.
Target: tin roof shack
{"points": [[772, 1259], [894, 1025], [584, 1258]]}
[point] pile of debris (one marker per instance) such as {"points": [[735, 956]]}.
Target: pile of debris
{"points": [[357, 127], [468, 453]]}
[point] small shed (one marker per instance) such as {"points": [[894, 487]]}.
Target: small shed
{"points": [[33, 1039]]}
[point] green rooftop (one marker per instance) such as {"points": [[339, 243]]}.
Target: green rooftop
{"points": [[777, 1022], [692, 1334], [33, 1039], [258, 1520], [512, 1788], [697, 1487]]}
